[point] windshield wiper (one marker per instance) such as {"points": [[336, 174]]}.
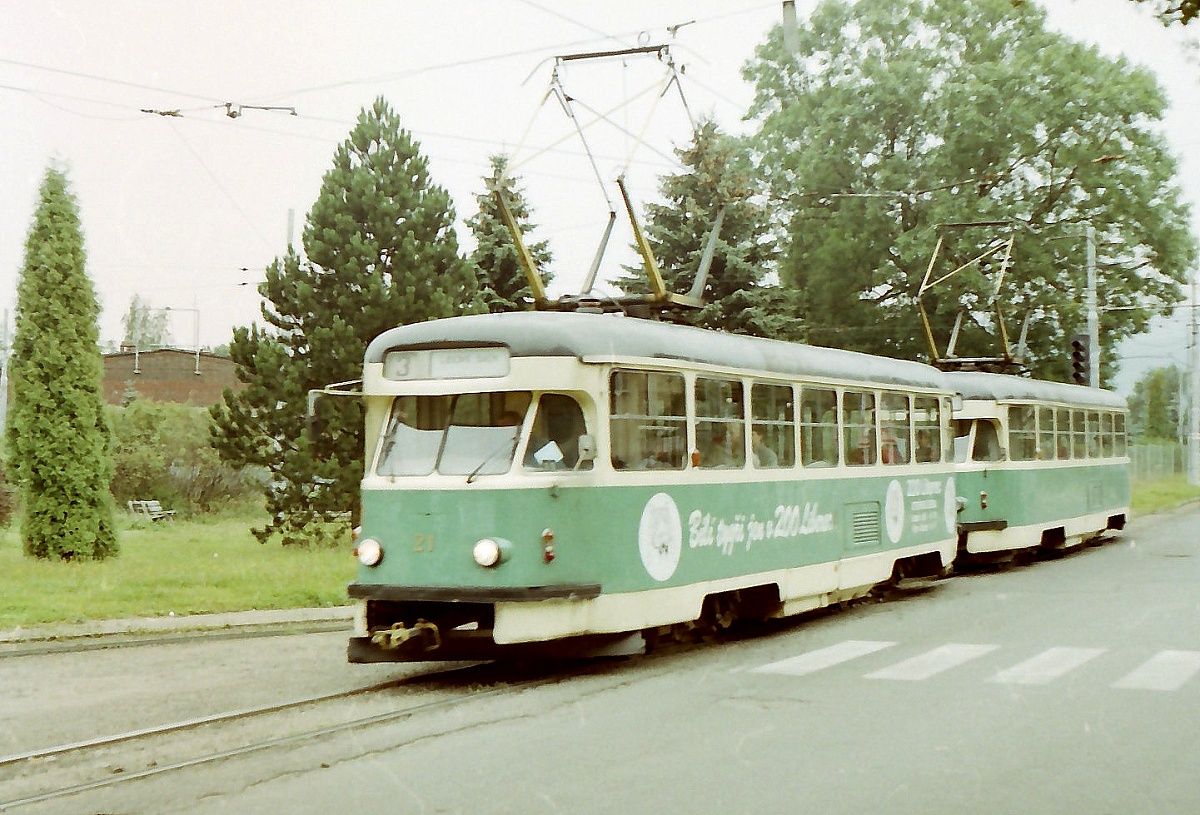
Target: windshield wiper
{"points": [[509, 443]]}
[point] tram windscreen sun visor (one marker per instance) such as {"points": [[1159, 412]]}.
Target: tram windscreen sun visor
{"points": [[446, 363]]}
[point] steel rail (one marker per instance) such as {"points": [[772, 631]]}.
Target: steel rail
{"points": [[354, 724]]}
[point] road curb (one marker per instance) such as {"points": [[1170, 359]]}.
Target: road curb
{"points": [[272, 618]]}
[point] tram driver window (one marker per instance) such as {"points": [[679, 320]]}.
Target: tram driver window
{"points": [[648, 420], [987, 442], [554, 437]]}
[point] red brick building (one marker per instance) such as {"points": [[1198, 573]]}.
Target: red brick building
{"points": [[168, 375]]}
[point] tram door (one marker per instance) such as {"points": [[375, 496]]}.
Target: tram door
{"points": [[978, 449]]}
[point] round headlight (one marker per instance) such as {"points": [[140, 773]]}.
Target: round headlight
{"points": [[369, 552], [487, 552]]}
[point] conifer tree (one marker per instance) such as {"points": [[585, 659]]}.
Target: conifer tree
{"points": [[58, 438], [739, 295], [501, 279], [379, 251]]}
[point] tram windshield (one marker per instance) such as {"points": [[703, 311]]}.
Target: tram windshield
{"points": [[465, 434]]}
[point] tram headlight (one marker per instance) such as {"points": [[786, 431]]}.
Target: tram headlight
{"points": [[368, 552], [489, 552]]}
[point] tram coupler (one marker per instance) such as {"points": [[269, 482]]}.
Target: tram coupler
{"points": [[399, 634]]}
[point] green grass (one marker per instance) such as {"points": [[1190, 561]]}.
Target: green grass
{"points": [[185, 567], [210, 565], [1160, 494]]}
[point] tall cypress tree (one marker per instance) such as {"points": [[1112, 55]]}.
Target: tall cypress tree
{"points": [[58, 438], [379, 251], [501, 279]]}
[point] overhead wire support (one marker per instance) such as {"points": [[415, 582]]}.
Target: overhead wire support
{"points": [[1006, 360]]}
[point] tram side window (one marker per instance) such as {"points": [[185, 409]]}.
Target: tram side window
{"points": [[1106, 434], [720, 423], [1093, 434], [1078, 434], [858, 428], [927, 424], [987, 441], [1062, 432], [648, 420], [773, 431], [894, 438], [1022, 432], [554, 439], [818, 428], [1045, 418], [1119, 449]]}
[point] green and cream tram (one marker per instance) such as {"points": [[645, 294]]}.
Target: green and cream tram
{"points": [[1042, 465], [549, 483]]}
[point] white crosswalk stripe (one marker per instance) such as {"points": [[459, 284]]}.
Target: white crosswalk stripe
{"points": [[932, 663], [1166, 670], [823, 658], [1047, 666]]}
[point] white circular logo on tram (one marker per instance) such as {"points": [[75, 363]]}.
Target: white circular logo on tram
{"points": [[950, 506], [894, 512], [660, 536]]}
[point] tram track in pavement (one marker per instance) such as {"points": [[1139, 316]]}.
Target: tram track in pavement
{"points": [[100, 763]]}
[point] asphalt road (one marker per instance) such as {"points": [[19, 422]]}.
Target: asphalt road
{"points": [[1071, 685]]}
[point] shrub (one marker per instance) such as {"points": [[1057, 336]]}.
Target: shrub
{"points": [[162, 451]]}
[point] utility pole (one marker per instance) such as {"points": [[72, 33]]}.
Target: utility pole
{"points": [[1194, 434], [1093, 315]]}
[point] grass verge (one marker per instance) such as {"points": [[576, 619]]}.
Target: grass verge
{"points": [[1160, 494], [184, 566]]}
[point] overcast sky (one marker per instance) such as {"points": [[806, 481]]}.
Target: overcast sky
{"points": [[187, 210]]}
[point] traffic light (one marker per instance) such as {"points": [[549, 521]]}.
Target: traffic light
{"points": [[1080, 360]]}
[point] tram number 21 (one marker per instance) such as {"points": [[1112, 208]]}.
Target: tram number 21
{"points": [[423, 543]]}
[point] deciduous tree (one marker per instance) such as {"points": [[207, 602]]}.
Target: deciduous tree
{"points": [[892, 117], [1174, 11], [1155, 407], [145, 327], [58, 439], [379, 251]]}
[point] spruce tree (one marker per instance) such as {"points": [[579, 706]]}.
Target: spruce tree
{"points": [[739, 295], [501, 279], [379, 251], [58, 438]]}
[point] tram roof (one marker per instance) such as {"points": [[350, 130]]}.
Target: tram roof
{"points": [[1005, 388], [581, 335]]}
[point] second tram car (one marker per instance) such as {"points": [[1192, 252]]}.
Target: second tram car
{"points": [[548, 483], [1042, 465]]}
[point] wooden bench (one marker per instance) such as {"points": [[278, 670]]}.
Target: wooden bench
{"points": [[152, 510]]}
